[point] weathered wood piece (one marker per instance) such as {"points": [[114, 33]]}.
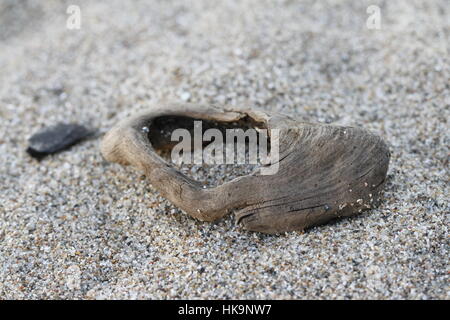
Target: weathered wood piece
{"points": [[325, 171]]}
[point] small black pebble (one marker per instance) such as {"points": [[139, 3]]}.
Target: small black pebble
{"points": [[271, 271], [56, 138]]}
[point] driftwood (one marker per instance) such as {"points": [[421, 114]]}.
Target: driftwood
{"points": [[325, 171]]}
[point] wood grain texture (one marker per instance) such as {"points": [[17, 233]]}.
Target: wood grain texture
{"points": [[325, 171]]}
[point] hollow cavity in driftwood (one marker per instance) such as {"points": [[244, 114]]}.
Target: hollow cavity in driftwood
{"points": [[324, 171]]}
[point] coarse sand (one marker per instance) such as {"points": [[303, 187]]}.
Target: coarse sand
{"points": [[74, 226]]}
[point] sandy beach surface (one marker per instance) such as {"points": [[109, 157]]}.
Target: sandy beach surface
{"points": [[74, 226]]}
